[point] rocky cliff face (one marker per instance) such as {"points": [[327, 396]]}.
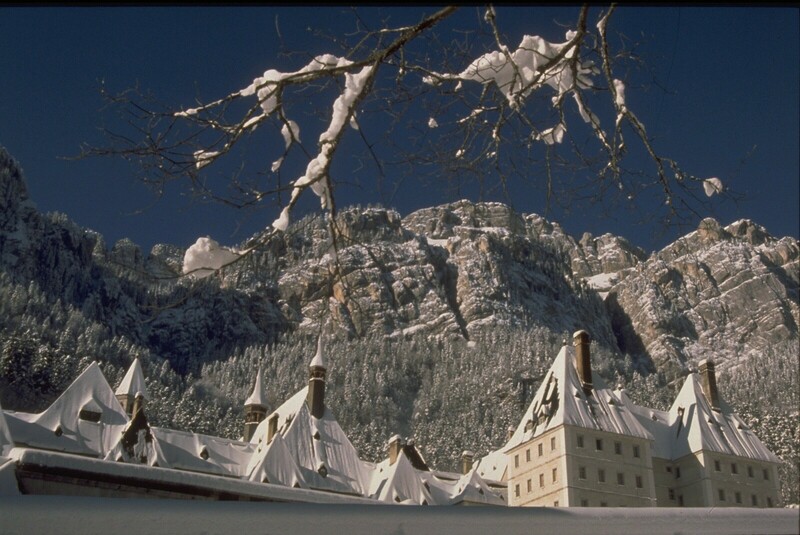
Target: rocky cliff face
{"points": [[455, 270]]}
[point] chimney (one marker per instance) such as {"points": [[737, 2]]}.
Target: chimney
{"points": [[395, 447], [272, 427], [467, 458], [583, 360], [708, 381], [316, 383]]}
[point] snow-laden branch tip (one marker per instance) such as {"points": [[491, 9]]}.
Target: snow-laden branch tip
{"points": [[206, 256], [712, 186], [432, 123]]}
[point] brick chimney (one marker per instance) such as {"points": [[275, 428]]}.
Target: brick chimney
{"points": [[708, 380], [316, 383], [467, 458], [583, 360], [395, 447]]}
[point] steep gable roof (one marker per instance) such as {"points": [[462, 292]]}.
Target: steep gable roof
{"points": [[318, 446], [699, 427], [273, 463], [86, 419]]}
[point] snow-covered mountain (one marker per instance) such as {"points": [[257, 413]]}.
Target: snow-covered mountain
{"points": [[456, 279]]}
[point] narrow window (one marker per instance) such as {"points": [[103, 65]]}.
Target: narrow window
{"points": [[620, 478], [754, 500], [766, 474], [580, 441], [618, 448], [516, 461], [541, 480], [769, 501], [541, 450], [680, 500], [584, 503], [738, 496], [581, 472], [516, 490], [722, 495], [734, 468], [530, 486], [555, 474], [749, 471], [678, 472], [601, 475], [603, 504], [598, 444], [555, 503], [636, 451], [717, 466], [552, 443], [671, 494], [669, 469], [639, 483], [528, 455]]}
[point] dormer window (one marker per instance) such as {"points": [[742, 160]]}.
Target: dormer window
{"points": [[204, 453], [90, 412]]}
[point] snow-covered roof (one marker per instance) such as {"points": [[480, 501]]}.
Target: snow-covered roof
{"points": [[318, 446], [402, 483], [257, 397], [561, 400], [6, 442], [133, 382], [86, 419], [273, 463], [702, 428], [200, 453]]}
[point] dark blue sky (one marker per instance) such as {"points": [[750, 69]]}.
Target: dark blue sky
{"points": [[730, 109]]}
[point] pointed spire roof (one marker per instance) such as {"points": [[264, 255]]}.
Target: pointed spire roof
{"points": [[133, 382], [257, 397], [318, 360]]}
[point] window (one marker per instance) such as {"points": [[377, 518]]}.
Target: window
{"points": [[769, 501], [722, 495], [677, 472], [541, 450], [639, 483], [734, 468], [601, 475], [766, 474], [516, 461], [738, 496], [584, 503], [669, 469], [717, 466], [620, 478], [749, 471], [754, 500], [636, 451], [680, 500], [603, 504], [618, 448], [528, 455], [581, 472], [516, 490], [580, 441], [555, 503], [541, 480], [555, 474], [598, 444], [530, 485], [671, 494], [552, 443]]}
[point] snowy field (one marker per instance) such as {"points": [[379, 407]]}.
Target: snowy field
{"points": [[65, 515]]}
